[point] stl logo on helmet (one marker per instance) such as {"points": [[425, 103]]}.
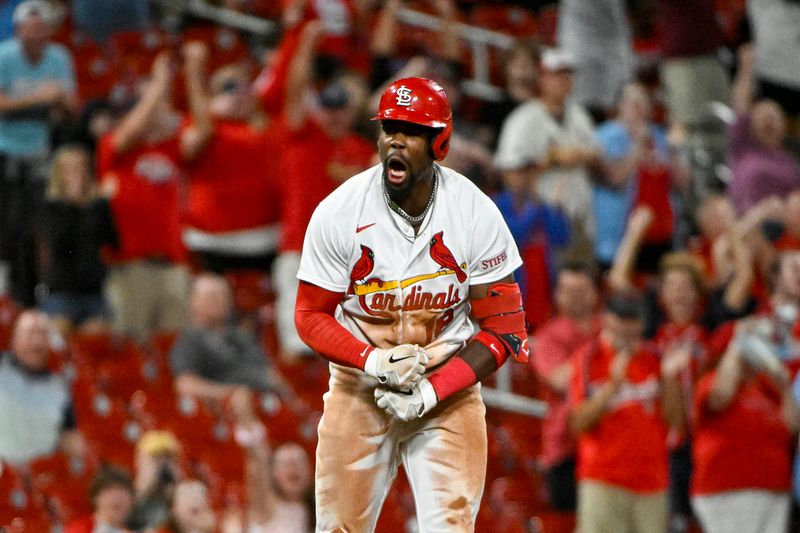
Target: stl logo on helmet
{"points": [[403, 96]]}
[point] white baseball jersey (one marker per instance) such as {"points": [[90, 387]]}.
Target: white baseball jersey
{"points": [[400, 287]]}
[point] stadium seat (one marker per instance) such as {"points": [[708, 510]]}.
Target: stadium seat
{"points": [[548, 24], [18, 500], [8, 315], [225, 45], [516, 498], [135, 50]]}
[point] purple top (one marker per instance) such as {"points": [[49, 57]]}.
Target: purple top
{"points": [[758, 171]]}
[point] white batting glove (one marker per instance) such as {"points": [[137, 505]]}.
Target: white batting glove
{"points": [[409, 405], [397, 368]]}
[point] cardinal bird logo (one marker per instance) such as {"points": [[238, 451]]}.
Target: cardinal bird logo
{"points": [[362, 268], [442, 255]]}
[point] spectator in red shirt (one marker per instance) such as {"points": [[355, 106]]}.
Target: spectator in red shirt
{"points": [[148, 284], [744, 420], [682, 299], [623, 397], [111, 494], [556, 341], [233, 197], [320, 152]]}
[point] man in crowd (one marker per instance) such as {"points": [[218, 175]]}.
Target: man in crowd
{"points": [[36, 414], [233, 203], [623, 397], [139, 161], [213, 357], [37, 83], [553, 141], [556, 341]]}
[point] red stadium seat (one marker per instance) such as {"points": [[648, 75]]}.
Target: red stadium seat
{"points": [[18, 500], [226, 45], [548, 24], [251, 290], [136, 50], [111, 431], [515, 497], [8, 315]]}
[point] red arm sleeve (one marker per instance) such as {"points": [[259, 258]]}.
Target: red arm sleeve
{"points": [[316, 325]]}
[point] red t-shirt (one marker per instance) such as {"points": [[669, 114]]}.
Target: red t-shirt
{"points": [[696, 335], [81, 525], [146, 208], [746, 446], [234, 183], [654, 184], [554, 345], [628, 446], [311, 160]]}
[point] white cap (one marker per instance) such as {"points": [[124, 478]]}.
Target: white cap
{"points": [[554, 59], [35, 7]]}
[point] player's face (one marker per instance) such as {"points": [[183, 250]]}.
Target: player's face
{"points": [[405, 152]]}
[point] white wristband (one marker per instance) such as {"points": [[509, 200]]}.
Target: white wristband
{"points": [[371, 364], [429, 398]]}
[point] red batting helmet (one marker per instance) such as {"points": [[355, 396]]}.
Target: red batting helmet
{"points": [[419, 101]]}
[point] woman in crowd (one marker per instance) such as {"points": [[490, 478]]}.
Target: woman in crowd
{"points": [[75, 224]]}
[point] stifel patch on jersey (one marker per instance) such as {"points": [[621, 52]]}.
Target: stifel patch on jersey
{"points": [[494, 261]]}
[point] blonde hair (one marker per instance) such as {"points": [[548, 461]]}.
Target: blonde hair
{"points": [[55, 187], [688, 263]]}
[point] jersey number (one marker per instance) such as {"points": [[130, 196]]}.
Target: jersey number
{"points": [[436, 326]]}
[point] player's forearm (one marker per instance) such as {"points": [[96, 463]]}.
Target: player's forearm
{"points": [[672, 404], [726, 382], [473, 363], [323, 334], [313, 318]]}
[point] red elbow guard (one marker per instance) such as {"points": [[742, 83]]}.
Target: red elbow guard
{"points": [[502, 318]]}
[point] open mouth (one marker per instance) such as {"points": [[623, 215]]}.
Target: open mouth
{"points": [[396, 170]]}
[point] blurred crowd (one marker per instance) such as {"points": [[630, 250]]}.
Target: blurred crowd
{"points": [[158, 172]]}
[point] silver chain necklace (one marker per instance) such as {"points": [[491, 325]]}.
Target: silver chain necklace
{"points": [[399, 210]]}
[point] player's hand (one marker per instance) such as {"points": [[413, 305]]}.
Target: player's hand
{"points": [[410, 405], [397, 368]]}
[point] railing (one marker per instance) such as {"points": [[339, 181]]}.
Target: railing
{"points": [[479, 40]]}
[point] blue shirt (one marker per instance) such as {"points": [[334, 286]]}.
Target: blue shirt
{"points": [[6, 18], [531, 224], [27, 132], [611, 206]]}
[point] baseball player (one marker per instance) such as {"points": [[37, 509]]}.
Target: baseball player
{"points": [[393, 262]]}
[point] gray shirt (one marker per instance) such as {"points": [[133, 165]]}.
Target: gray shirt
{"points": [[231, 356], [35, 408]]}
